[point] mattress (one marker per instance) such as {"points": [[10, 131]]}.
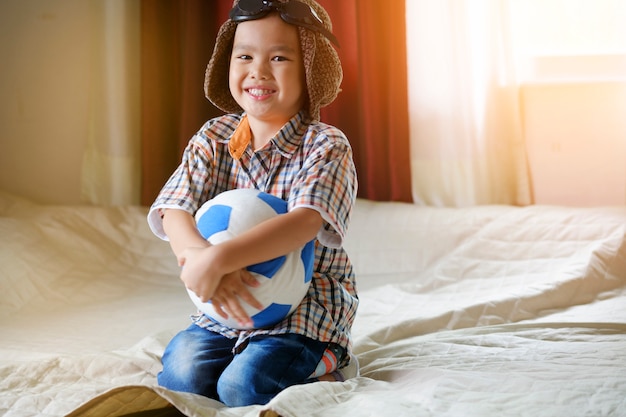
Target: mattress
{"points": [[480, 311]]}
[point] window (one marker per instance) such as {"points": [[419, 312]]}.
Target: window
{"points": [[569, 39]]}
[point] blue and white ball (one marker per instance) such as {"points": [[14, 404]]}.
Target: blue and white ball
{"points": [[284, 280]]}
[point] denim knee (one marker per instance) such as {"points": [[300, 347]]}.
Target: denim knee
{"points": [[266, 366], [238, 387], [194, 360]]}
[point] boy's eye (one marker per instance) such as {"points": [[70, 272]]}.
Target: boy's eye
{"points": [[245, 57], [279, 58]]}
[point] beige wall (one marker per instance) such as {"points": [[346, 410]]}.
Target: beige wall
{"points": [[575, 134], [45, 75]]}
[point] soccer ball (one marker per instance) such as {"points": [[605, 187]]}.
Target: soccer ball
{"points": [[284, 280]]}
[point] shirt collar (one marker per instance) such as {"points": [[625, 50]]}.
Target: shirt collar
{"points": [[287, 140], [240, 138]]}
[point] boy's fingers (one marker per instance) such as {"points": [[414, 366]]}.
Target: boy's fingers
{"points": [[218, 308], [247, 297], [249, 279], [237, 312]]}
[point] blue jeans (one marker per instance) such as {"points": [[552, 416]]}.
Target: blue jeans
{"points": [[202, 362]]}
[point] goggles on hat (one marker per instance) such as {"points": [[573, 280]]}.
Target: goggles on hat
{"points": [[293, 12]]}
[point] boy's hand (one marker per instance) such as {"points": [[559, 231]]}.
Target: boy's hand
{"points": [[202, 275], [199, 271], [232, 288]]}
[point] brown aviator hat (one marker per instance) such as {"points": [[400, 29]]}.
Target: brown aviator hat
{"points": [[321, 63]]}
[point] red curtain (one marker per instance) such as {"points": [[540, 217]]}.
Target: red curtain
{"points": [[177, 39], [372, 109]]}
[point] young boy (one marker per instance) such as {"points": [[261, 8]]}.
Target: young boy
{"points": [[272, 69]]}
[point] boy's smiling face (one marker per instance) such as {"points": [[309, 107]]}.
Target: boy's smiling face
{"points": [[266, 75]]}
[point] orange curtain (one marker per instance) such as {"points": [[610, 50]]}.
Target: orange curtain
{"points": [[372, 109], [177, 41]]}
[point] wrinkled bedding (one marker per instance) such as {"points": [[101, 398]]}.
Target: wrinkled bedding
{"points": [[482, 311]]}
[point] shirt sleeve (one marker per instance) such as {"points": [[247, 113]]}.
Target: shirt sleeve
{"points": [[188, 186], [327, 183]]}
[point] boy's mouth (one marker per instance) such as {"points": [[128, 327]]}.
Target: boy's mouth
{"points": [[259, 92]]}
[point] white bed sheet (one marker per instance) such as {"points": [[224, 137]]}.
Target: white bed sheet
{"points": [[464, 312]]}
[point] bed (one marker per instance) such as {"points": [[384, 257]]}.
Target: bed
{"points": [[481, 311]]}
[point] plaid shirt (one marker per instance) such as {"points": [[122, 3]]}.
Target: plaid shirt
{"points": [[306, 164]]}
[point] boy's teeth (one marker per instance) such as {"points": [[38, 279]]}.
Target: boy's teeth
{"points": [[258, 91]]}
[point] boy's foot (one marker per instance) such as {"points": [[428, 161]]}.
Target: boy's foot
{"points": [[343, 374]]}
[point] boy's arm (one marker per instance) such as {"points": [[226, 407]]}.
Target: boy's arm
{"points": [[272, 238], [217, 273], [275, 237], [180, 228]]}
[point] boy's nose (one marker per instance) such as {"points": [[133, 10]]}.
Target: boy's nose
{"points": [[259, 71]]}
